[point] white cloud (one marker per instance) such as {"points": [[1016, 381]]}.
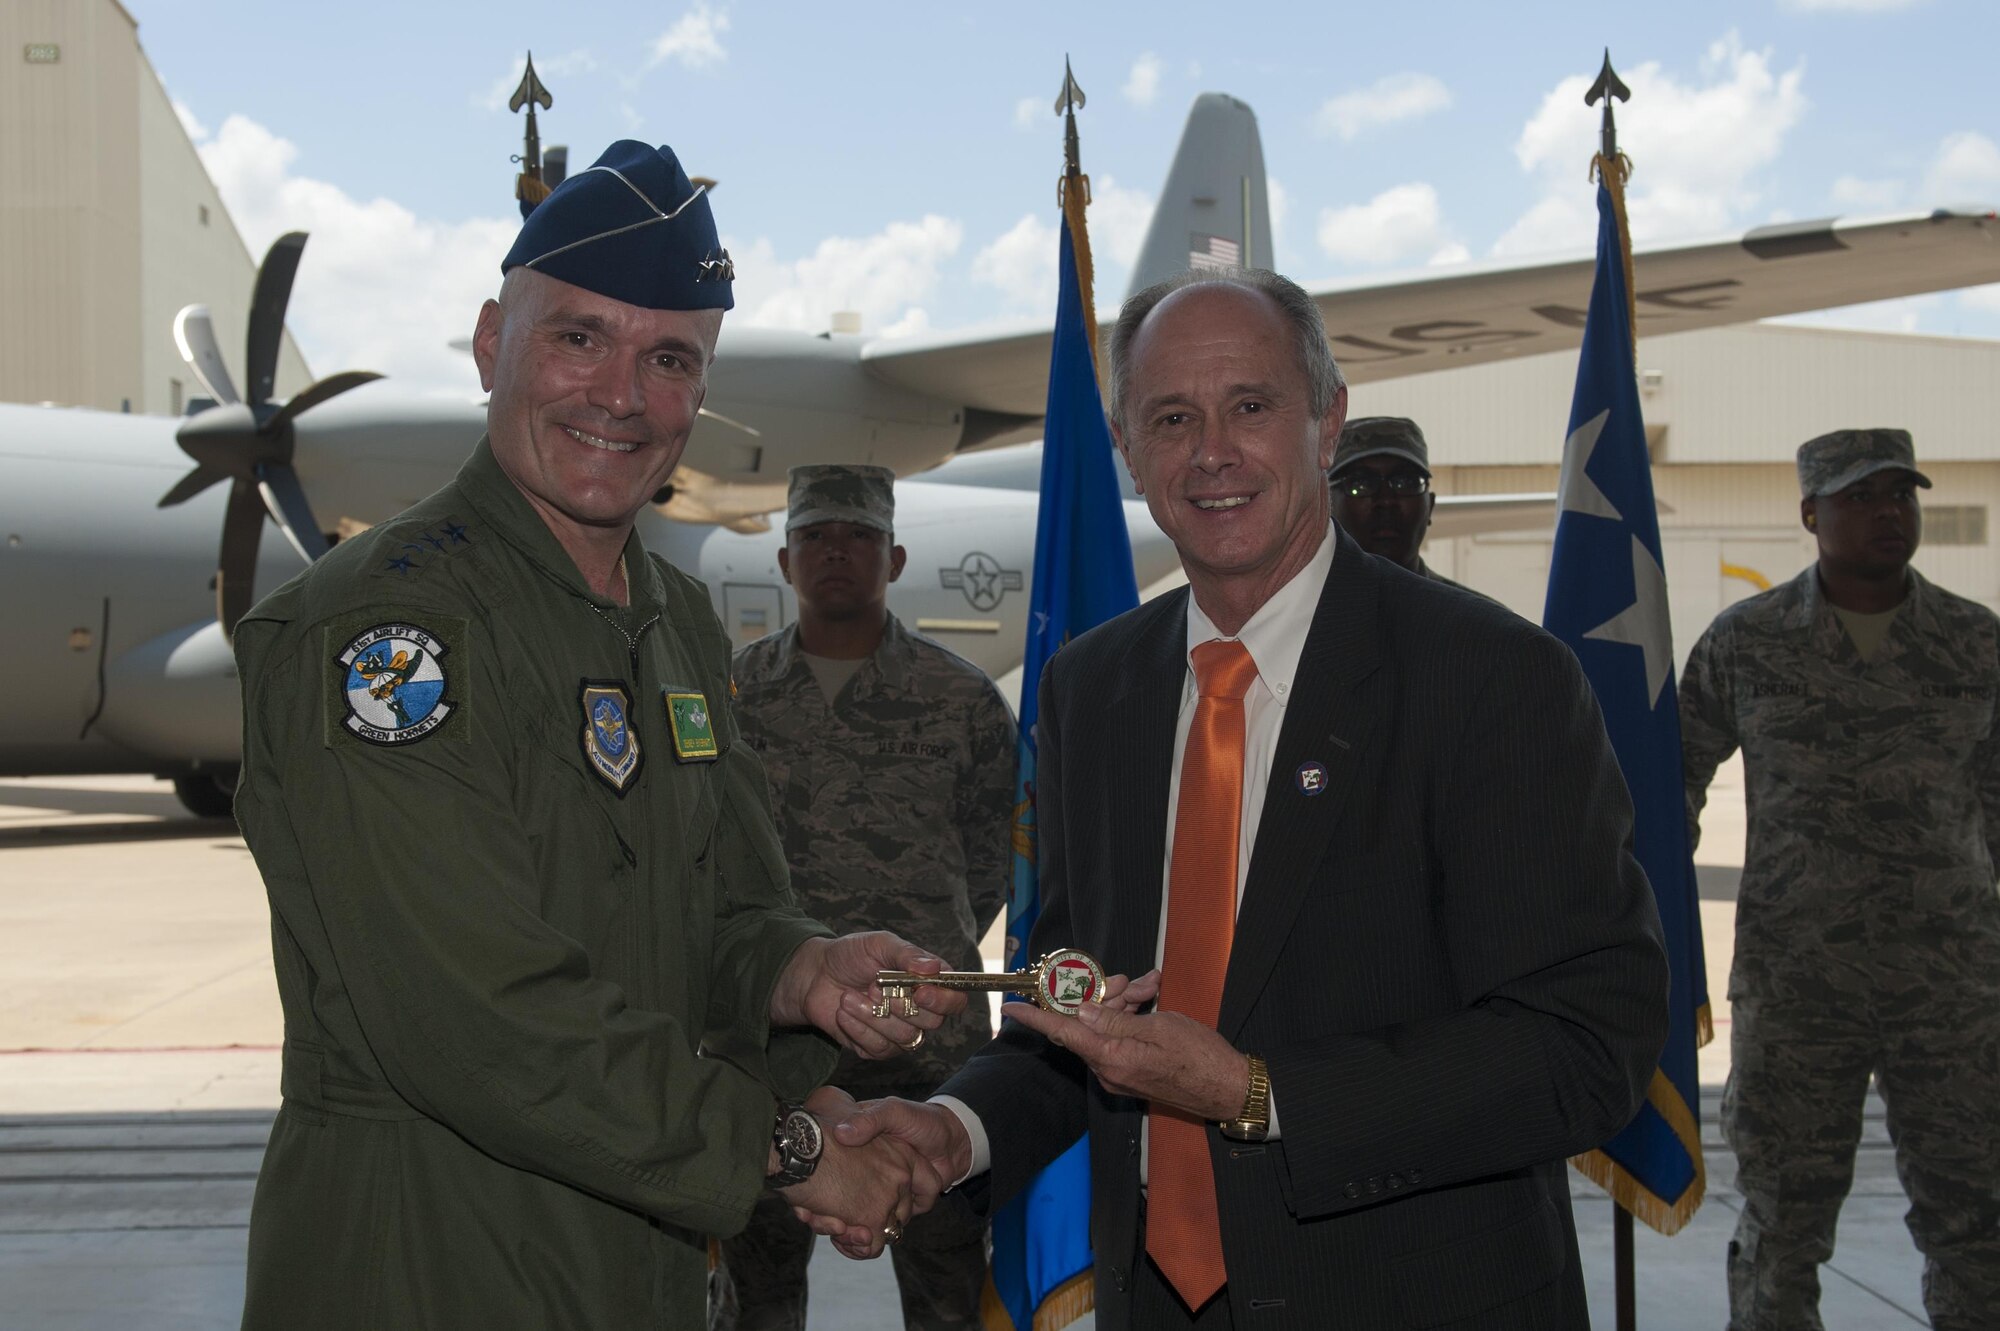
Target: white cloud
{"points": [[1118, 221], [1454, 252], [885, 277], [1142, 85], [1847, 6], [379, 288], [193, 126], [1966, 170], [1028, 112], [1401, 223], [1698, 148], [1873, 195], [1021, 265], [497, 95], [694, 41], [1390, 98]]}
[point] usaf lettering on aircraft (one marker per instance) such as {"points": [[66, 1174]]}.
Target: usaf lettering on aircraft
{"points": [[981, 578], [1456, 335]]}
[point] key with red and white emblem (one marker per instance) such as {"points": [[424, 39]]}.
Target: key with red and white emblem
{"points": [[1063, 981]]}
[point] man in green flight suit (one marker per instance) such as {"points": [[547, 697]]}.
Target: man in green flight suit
{"points": [[550, 1008]]}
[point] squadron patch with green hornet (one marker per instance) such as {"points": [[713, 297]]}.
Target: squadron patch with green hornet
{"points": [[392, 684]]}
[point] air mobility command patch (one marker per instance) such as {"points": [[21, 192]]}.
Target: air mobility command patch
{"points": [[391, 684], [610, 740], [693, 728]]}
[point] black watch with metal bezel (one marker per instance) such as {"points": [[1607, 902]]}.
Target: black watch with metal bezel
{"points": [[799, 1142]]}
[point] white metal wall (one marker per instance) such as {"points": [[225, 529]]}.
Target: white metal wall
{"points": [[100, 219]]}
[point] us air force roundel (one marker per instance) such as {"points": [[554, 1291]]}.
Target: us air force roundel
{"points": [[693, 728], [394, 685], [610, 741]]}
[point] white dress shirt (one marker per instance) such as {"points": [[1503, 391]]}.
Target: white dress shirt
{"points": [[1275, 637]]}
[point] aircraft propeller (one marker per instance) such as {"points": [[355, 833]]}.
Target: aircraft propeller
{"points": [[250, 443]]}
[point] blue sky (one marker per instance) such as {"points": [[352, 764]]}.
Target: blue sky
{"points": [[900, 159]]}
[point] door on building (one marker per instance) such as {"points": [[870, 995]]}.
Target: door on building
{"points": [[751, 610]]}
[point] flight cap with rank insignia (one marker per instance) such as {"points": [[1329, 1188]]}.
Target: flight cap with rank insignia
{"points": [[1381, 436], [827, 492], [633, 227], [1832, 462]]}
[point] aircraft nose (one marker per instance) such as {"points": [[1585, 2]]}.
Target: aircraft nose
{"points": [[1153, 555]]}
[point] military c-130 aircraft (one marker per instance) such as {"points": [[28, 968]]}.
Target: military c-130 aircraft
{"points": [[115, 655]]}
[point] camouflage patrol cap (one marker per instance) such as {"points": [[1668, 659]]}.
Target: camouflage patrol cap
{"points": [[1832, 462], [861, 495], [1381, 436]]}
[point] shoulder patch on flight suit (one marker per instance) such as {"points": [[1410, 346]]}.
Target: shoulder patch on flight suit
{"points": [[610, 740], [390, 684], [693, 728]]}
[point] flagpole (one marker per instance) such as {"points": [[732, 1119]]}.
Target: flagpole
{"points": [[1613, 168]]}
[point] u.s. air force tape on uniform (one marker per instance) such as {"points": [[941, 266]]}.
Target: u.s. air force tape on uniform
{"points": [[394, 679]]}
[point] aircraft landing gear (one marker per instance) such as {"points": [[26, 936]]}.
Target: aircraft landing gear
{"points": [[208, 794]]}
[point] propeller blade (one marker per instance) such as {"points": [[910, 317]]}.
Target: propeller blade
{"points": [[192, 484], [285, 499], [267, 313], [194, 334], [223, 439], [315, 393], [236, 568]]}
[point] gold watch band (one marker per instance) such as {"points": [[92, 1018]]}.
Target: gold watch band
{"points": [[1254, 1123]]}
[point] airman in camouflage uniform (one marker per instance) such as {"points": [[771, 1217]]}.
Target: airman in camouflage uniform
{"points": [[1867, 927], [894, 798], [1380, 483]]}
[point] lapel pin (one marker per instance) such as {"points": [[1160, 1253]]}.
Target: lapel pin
{"points": [[1311, 778]]}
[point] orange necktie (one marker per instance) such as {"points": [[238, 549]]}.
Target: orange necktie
{"points": [[1183, 1234]]}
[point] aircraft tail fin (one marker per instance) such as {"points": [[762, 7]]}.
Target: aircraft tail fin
{"points": [[1215, 209]]}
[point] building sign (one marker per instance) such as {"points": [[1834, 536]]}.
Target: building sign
{"points": [[42, 53]]}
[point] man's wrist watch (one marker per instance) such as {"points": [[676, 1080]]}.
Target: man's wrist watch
{"points": [[1254, 1123], [799, 1142]]}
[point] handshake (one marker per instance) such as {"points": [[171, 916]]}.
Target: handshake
{"points": [[879, 1162]]}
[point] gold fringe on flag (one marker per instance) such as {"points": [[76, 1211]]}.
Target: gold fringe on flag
{"points": [[1064, 1304], [1664, 1215], [1073, 192], [530, 190]]}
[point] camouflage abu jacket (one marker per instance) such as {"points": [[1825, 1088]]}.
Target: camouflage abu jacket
{"points": [[527, 909], [1873, 789], [896, 805]]}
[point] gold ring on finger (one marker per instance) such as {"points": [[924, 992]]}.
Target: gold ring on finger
{"points": [[891, 1230], [912, 1046]]}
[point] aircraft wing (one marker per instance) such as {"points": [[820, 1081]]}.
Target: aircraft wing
{"points": [[1386, 327]]}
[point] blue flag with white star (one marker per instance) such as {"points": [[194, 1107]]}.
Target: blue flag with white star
{"points": [[1608, 600], [1083, 576]]}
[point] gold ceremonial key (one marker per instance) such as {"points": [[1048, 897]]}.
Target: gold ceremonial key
{"points": [[1063, 981]]}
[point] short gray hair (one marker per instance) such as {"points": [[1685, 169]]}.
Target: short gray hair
{"points": [[1323, 376]]}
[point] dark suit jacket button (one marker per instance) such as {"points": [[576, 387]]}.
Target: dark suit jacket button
{"points": [[1395, 1182], [1416, 1177], [1118, 1278], [1353, 1191], [1131, 1143]]}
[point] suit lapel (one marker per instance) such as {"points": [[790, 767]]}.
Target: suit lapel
{"points": [[1138, 767], [1329, 722]]}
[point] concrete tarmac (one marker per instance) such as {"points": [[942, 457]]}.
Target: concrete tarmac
{"points": [[139, 1035]]}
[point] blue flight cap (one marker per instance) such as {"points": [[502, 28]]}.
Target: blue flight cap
{"points": [[630, 226]]}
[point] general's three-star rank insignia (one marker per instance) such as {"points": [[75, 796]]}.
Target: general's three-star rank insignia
{"points": [[693, 728], [610, 740]]}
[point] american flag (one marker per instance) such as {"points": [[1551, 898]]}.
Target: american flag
{"points": [[1211, 252]]}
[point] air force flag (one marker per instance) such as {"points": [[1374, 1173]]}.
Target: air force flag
{"points": [[1608, 600]]}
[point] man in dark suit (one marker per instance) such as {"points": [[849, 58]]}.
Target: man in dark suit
{"points": [[1372, 832]]}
